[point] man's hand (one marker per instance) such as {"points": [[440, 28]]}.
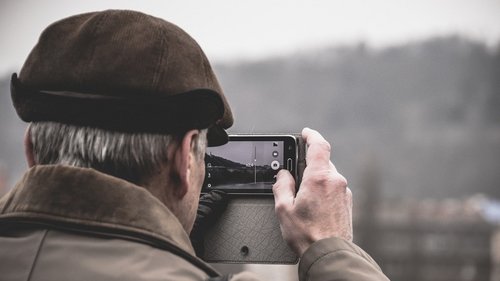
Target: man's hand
{"points": [[322, 207]]}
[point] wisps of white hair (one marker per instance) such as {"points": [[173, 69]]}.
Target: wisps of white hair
{"points": [[132, 156]]}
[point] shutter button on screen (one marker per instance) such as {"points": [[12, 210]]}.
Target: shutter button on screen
{"points": [[275, 165]]}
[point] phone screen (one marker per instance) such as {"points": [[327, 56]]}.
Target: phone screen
{"points": [[248, 164]]}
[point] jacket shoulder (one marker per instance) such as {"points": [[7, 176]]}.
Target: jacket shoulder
{"points": [[60, 255]]}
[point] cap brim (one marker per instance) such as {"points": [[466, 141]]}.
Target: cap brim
{"points": [[217, 136], [197, 109]]}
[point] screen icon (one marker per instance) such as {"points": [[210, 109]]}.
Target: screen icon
{"points": [[275, 165], [275, 153]]}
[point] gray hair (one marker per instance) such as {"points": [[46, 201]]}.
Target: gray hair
{"points": [[130, 156]]}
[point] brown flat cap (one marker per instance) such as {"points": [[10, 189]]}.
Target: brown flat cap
{"points": [[123, 71]]}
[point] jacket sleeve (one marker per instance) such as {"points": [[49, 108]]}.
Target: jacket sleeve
{"points": [[337, 259]]}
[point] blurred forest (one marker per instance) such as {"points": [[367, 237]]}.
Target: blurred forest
{"points": [[423, 118]]}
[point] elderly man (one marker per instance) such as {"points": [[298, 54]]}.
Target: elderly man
{"points": [[122, 106]]}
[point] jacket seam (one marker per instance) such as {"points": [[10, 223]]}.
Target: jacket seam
{"points": [[37, 254], [136, 236], [90, 221], [95, 28], [158, 69]]}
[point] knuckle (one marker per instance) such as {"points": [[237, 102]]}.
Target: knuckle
{"points": [[318, 179], [280, 207], [327, 178], [331, 178], [275, 187], [325, 146], [348, 192], [342, 181]]}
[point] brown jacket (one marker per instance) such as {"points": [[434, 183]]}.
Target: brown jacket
{"points": [[64, 223]]}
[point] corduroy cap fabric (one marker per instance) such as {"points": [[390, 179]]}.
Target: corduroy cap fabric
{"points": [[124, 71]]}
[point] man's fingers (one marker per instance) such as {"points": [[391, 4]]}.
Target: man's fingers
{"points": [[349, 235], [284, 191], [349, 196], [318, 149], [332, 167]]}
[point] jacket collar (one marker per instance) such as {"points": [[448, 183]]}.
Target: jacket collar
{"points": [[88, 197]]}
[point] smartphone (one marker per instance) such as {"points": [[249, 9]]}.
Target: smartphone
{"points": [[248, 164]]}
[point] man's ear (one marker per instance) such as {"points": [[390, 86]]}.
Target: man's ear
{"points": [[28, 147], [182, 162]]}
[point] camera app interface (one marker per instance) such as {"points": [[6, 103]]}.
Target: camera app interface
{"points": [[245, 165]]}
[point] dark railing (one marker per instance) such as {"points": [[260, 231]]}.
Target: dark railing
{"points": [[429, 251]]}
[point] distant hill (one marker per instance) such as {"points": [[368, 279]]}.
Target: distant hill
{"points": [[222, 162], [425, 115]]}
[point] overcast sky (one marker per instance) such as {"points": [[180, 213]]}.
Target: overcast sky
{"points": [[229, 29]]}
